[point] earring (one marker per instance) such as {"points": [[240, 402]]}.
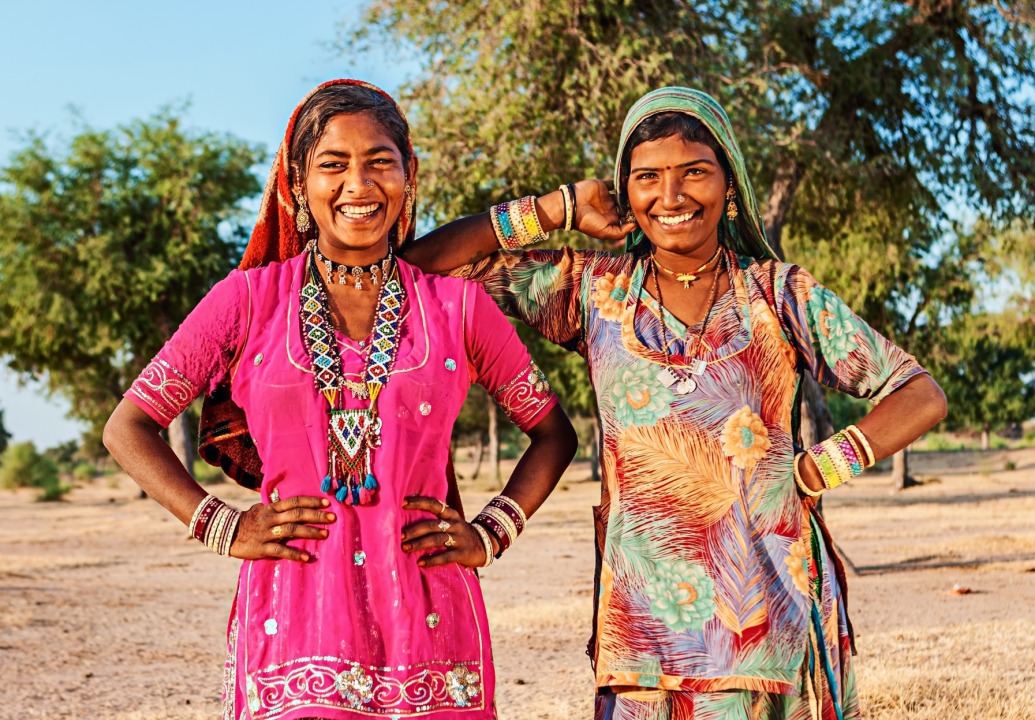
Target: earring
{"points": [[629, 217], [408, 204], [731, 204], [302, 216]]}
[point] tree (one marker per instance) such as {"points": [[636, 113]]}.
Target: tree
{"points": [[106, 243], [5, 436], [864, 123], [987, 373]]}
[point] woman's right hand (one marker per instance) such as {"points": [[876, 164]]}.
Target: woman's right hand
{"points": [[596, 212], [264, 529]]}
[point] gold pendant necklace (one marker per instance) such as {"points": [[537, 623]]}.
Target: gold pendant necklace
{"points": [[687, 278]]}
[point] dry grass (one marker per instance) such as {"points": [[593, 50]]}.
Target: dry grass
{"points": [[979, 670], [120, 616]]}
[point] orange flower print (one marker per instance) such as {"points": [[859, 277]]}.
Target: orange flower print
{"points": [[798, 565], [745, 438], [609, 294]]}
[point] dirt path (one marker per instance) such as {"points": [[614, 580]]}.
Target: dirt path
{"points": [[107, 610]]}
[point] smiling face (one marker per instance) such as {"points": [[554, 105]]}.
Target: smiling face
{"points": [[355, 187], [677, 192]]}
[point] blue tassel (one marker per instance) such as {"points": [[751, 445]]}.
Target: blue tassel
{"points": [[371, 482], [342, 494], [325, 486], [355, 495]]}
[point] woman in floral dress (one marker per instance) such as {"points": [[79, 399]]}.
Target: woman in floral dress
{"points": [[719, 594]]}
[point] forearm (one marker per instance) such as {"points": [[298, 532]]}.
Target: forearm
{"points": [[133, 440], [553, 445], [470, 239], [903, 416], [898, 420]]}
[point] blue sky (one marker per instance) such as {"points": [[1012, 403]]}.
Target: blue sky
{"points": [[241, 66]]}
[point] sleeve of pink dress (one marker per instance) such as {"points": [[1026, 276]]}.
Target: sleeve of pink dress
{"points": [[500, 362], [198, 356]]}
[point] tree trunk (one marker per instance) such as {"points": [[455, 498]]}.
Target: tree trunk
{"points": [[494, 444], [900, 476], [781, 197], [984, 438], [181, 442], [816, 423], [594, 452], [480, 456]]}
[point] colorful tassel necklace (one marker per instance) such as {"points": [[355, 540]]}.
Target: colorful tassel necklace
{"points": [[352, 435]]}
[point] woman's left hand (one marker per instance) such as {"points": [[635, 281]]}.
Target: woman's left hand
{"points": [[460, 542], [596, 212]]}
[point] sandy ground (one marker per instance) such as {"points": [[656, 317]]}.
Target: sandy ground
{"points": [[107, 610]]}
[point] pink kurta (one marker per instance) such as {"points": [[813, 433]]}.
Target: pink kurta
{"points": [[361, 630]]}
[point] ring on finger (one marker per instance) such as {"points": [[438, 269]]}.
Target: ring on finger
{"points": [[444, 507], [450, 541], [443, 525], [277, 530]]}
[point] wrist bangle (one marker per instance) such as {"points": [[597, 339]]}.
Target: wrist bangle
{"points": [[868, 457], [801, 482], [574, 204], [486, 542], [569, 206]]}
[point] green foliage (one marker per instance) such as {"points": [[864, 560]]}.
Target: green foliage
{"points": [[5, 436], [986, 365], [865, 125], [844, 409], [23, 466], [107, 242]]}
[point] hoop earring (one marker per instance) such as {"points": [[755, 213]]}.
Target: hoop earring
{"points": [[302, 223], [731, 204]]}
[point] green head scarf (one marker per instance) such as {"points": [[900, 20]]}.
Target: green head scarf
{"points": [[746, 234]]}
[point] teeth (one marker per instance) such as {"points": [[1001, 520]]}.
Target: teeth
{"points": [[674, 219], [357, 211]]}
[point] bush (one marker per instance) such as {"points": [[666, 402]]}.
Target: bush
{"points": [[52, 490], [84, 472], [24, 466]]}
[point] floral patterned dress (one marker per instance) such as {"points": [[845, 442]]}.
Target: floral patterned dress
{"points": [[714, 573]]}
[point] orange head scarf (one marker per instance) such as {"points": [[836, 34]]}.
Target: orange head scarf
{"points": [[223, 438]]}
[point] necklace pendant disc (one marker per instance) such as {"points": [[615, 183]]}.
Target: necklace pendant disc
{"points": [[697, 366], [686, 386]]}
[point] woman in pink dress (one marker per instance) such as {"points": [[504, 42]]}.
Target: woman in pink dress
{"points": [[334, 373]]}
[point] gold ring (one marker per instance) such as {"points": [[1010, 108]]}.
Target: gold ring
{"points": [[450, 541], [443, 525], [444, 507], [277, 530]]}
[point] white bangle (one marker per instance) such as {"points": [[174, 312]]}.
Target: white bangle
{"points": [[486, 542]]}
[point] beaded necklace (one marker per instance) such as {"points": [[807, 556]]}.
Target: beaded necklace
{"points": [[352, 434], [355, 272], [669, 376]]}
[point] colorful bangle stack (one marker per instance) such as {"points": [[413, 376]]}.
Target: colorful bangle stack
{"points": [[516, 223], [486, 542], [568, 192], [841, 456], [214, 523], [503, 519]]}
